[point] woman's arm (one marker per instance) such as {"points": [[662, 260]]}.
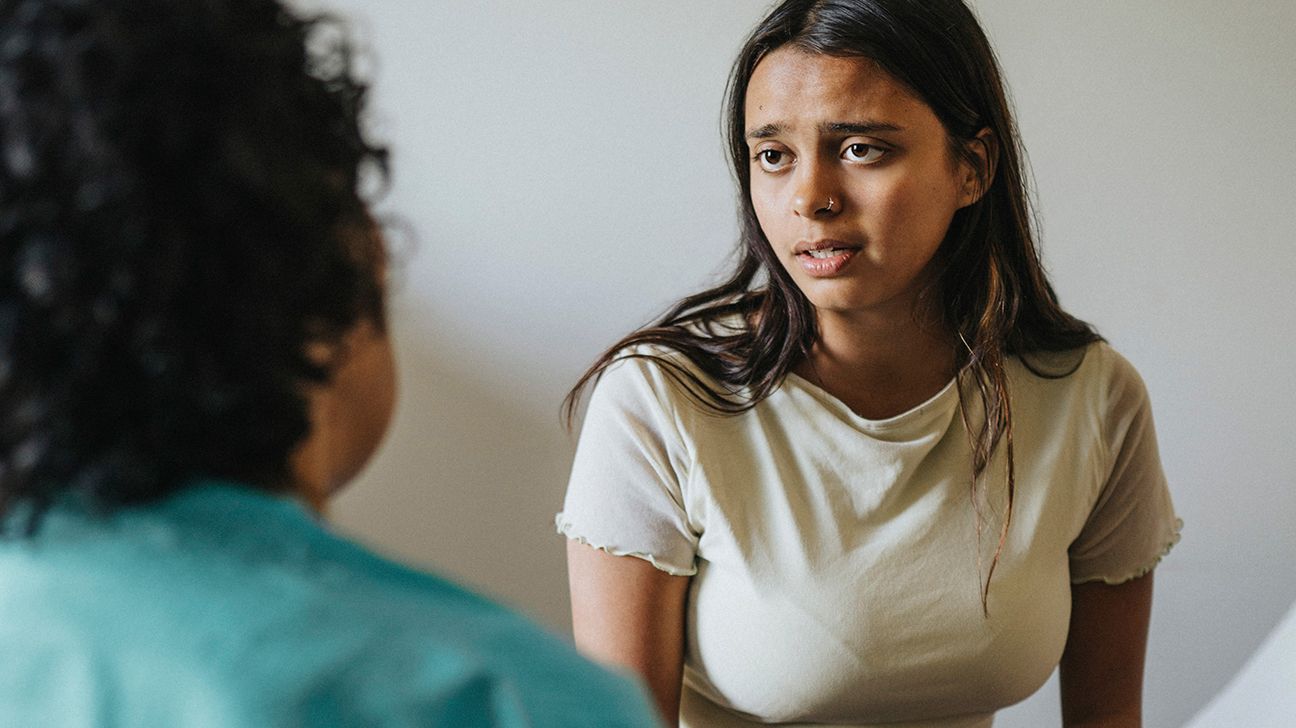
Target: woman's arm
{"points": [[1102, 665], [626, 612]]}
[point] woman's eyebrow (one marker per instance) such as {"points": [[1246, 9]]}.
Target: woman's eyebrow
{"points": [[858, 127], [766, 131], [828, 127]]}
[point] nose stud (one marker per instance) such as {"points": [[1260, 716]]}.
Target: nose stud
{"points": [[828, 207]]}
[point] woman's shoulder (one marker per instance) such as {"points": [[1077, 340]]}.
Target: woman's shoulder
{"points": [[653, 376], [1095, 376], [1112, 373], [1095, 360]]}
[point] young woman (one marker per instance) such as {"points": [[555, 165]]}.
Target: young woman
{"points": [[878, 476], [193, 358]]}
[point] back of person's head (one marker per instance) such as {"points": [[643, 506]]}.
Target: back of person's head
{"points": [[181, 227]]}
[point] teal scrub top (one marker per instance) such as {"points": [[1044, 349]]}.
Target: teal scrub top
{"points": [[227, 606]]}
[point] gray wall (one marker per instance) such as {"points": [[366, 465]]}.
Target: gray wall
{"points": [[559, 162]]}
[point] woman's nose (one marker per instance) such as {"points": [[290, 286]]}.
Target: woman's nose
{"points": [[814, 194]]}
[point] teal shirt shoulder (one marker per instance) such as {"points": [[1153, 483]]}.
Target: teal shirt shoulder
{"points": [[226, 606]]}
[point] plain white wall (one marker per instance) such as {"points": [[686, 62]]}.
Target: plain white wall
{"points": [[560, 164], [1263, 693]]}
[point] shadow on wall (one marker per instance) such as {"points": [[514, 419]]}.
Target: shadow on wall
{"points": [[467, 485]]}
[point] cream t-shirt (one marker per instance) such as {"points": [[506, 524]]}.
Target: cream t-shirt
{"points": [[836, 577]]}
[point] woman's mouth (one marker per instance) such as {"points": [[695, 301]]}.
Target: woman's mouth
{"points": [[825, 260]]}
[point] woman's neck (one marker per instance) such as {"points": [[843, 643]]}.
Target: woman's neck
{"points": [[879, 366]]}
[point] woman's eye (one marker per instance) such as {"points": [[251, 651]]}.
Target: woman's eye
{"points": [[772, 160], [865, 153]]}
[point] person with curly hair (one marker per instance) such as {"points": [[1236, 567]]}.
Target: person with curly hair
{"points": [[193, 358]]}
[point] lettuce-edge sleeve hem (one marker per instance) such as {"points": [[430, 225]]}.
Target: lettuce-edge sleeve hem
{"points": [[1142, 570], [568, 530]]}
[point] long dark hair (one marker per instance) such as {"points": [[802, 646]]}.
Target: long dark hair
{"points": [[180, 217], [988, 284]]}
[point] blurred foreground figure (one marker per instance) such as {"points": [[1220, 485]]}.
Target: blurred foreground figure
{"points": [[193, 358]]}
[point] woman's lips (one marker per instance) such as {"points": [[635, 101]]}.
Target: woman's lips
{"points": [[825, 261]]}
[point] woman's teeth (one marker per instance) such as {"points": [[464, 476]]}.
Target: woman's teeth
{"points": [[825, 253]]}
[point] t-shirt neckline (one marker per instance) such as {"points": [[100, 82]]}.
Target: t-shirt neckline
{"points": [[914, 417]]}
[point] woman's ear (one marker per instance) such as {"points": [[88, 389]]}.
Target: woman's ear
{"points": [[978, 176], [349, 413]]}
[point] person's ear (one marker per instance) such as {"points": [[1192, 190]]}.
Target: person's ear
{"points": [[979, 166]]}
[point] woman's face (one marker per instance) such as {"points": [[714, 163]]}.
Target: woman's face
{"points": [[820, 129]]}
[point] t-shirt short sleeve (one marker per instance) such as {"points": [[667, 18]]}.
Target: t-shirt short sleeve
{"points": [[1132, 524], [626, 495]]}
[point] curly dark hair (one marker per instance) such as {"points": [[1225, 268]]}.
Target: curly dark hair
{"points": [[181, 217]]}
